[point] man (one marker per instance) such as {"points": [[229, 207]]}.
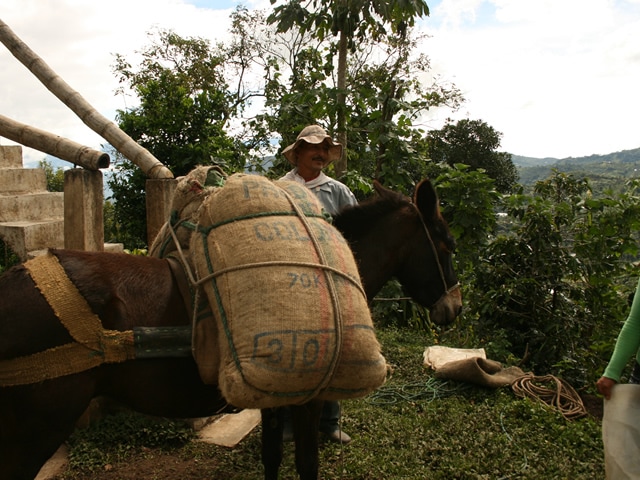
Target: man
{"points": [[312, 151]]}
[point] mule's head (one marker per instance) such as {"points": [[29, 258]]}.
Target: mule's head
{"points": [[425, 267]]}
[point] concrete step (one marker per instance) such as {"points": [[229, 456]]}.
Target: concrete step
{"points": [[10, 156], [25, 237], [31, 206], [16, 180]]}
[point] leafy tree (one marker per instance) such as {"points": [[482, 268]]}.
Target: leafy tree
{"points": [[185, 106], [55, 177], [546, 292], [352, 21], [386, 96], [474, 143], [469, 201], [8, 258]]}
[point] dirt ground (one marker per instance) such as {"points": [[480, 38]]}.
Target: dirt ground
{"points": [[160, 466]]}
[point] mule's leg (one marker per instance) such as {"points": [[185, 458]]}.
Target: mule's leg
{"points": [[36, 419], [272, 425], [306, 421]]}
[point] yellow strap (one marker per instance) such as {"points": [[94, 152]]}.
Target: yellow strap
{"points": [[64, 298], [93, 345]]}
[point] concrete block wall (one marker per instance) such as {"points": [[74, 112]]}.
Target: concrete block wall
{"points": [[31, 218]]}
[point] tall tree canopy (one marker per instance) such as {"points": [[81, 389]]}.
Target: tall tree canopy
{"points": [[387, 93], [474, 143], [183, 112], [352, 21]]}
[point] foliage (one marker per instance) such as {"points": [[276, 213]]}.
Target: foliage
{"points": [[545, 271], [55, 178], [8, 258], [474, 143], [414, 427], [469, 201], [550, 288], [386, 94], [185, 106], [117, 436], [353, 22]]}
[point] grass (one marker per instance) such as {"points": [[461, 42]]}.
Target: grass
{"points": [[414, 427]]}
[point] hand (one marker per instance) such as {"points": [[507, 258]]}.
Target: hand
{"points": [[604, 386]]}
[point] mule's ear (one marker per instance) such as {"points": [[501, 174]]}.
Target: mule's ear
{"points": [[426, 199], [380, 190]]}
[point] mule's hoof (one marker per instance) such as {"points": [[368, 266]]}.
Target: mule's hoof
{"points": [[337, 436]]}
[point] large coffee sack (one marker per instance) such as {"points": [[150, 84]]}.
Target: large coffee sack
{"points": [[293, 320], [190, 192]]}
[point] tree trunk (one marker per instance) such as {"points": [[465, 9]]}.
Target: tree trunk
{"points": [[122, 142], [341, 165]]}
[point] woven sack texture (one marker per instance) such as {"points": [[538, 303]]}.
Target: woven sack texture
{"points": [[188, 196], [293, 321]]}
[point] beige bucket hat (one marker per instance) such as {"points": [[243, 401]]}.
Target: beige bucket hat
{"points": [[314, 134]]}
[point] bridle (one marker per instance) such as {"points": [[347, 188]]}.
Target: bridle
{"points": [[447, 290]]}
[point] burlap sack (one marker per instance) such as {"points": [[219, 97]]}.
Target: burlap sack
{"points": [[479, 371], [293, 320], [190, 192]]}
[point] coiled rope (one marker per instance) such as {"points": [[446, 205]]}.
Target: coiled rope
{"points": [[552, 391], [547, 389]]}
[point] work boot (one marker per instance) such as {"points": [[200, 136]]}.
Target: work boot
{"points": [[337, 436]]}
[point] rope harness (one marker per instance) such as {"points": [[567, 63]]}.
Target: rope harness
{"points": [[447, 289]]}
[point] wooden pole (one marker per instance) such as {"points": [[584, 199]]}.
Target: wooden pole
{"points": [[122, 142], [53, 144]]}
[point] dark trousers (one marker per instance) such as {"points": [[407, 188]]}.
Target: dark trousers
{"points": [[329, 417]]}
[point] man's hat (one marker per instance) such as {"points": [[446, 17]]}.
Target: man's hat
{"points": [[314, 134]]}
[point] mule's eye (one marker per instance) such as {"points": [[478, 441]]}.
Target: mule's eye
{"points": [[447, 247]]}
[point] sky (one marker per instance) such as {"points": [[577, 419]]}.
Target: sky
{"points": [[556, 78]]}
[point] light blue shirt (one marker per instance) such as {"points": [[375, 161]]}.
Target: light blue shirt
{"points": [[333, 194]]}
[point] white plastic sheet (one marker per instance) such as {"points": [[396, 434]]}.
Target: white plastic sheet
{"points": [[621, 433]]}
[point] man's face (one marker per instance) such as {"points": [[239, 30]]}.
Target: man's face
{"points": [[312, 157]]}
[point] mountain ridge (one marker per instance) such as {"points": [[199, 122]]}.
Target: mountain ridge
{"points": [[606, 168], [624, 156]]}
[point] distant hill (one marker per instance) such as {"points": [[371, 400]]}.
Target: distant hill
{"points": [[624, 164]]}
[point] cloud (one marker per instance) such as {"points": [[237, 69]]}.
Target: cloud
{"points": [[78, 40], [557, 78]]}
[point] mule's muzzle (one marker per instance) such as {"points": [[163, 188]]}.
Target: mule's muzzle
{"points": [[447, 307]]}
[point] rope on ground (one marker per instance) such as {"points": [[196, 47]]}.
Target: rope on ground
{"points": [[552, 391], [430, 390]]}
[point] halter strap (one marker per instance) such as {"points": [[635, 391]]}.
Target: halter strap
{"points": [[447, 290]]}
